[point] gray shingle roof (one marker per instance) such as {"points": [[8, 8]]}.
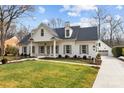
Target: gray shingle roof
{"points": [[89, 33], [25, 40], [79, 34]]}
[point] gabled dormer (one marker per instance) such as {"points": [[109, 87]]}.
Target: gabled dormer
{"points": [[68, 30]]}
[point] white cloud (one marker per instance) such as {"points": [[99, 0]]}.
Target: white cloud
{"points": [[86, 22], [45, 21], [73, 14], [75, 10], [41, 9], [65, 8], [119, 7]]}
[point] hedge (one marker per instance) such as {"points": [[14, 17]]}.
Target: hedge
{"points": [[117, 51]]}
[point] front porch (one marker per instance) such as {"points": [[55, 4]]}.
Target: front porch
{"points": [[44, 49]]}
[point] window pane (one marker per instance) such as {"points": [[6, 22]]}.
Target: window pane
{"points": [[41, 49], [42, 32], [99, 44], [52, 49], [33, 49], [68, 49], [57, 49], [48, 49], [25, 50], [84, 49], [67, 32]]}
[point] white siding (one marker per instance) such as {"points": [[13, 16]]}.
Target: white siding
{"points": [[37, 35], [75, 47], [104, 46]]}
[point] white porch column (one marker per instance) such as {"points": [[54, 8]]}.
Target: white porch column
{"points": [[54, 48], [31, 49]]}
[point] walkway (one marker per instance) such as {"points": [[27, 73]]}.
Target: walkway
{"points": [[111, 74], [45, 60]]}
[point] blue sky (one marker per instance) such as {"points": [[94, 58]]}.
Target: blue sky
{"points": [[75, 14]]}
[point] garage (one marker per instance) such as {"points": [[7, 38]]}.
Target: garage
{"points": [[103, 52]]}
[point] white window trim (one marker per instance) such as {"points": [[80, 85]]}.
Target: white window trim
{"points": [[81, 50], [70, 32], [65, 50]]}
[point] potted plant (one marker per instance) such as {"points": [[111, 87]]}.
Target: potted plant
{"points": [[4, 61], [98, 60]]}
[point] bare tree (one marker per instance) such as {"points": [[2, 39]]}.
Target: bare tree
{"points": [[100, 16], [55, 23], [11, 31], [22, 32], [8, 14], [113, 29]]}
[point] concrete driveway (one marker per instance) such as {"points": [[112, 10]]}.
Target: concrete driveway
{"points": [[111, 73]]}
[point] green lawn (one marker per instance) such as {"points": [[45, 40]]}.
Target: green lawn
{"points": [[35, 74]]}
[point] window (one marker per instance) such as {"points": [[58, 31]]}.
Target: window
{"points": [[33, 49], [67, 33], [57, 49], [67, 49], [52, 49], [93, 46], [99, 44], [83, 49], [25, 49], [41, 49], [42, 32]]}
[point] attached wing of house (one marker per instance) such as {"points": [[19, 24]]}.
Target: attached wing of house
{"points": [[67, 41]]}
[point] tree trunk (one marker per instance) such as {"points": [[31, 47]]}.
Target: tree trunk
{"points": [[2, 39], [2, 45]]}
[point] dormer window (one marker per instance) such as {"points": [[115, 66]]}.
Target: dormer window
{"points": [[42, 32], [68, 30]]}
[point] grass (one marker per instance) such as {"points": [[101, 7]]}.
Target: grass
{"points": [[39, 74]]}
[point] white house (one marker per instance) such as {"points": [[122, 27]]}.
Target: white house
{"points": [[69, 40]]}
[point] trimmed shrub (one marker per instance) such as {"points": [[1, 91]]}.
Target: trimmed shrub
{"points": [[122, 51], [92, 59], [4, 61], [75, 56], [117, 51], [85, 57], [59, 56], [66, 56], [25, 55]]}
